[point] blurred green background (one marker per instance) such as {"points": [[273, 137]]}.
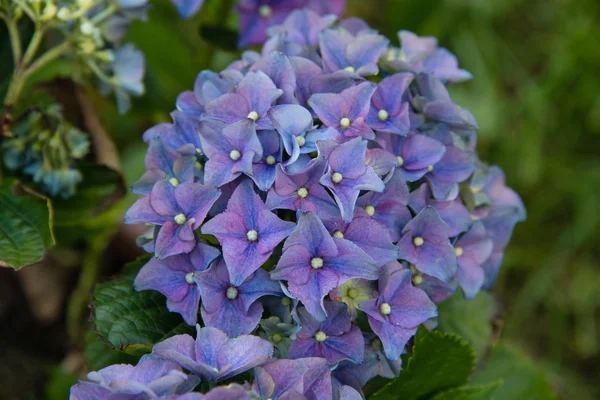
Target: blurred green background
{"points": [[536, 96]]}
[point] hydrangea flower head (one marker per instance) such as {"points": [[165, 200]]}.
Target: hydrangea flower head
{"points": [[345, 201]]}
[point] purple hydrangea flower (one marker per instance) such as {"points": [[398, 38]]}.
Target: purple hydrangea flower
{"points": [[174, 277], [233, 309], [302, 191], [208, 86], [416, 154], [314, 263], [214, 356], [453, 212], [231, 150], [180, 210], [163, 163], [248, 232], [303, 378], [335, 338], [369, 235], [253, 97], [472, 250], [291, 122], [389, 207], [152, 377], [128, 69], [454, 167], [348, 173], [181, 135], [399, 310], [354, 54], [425, 244], [389, 107], [421, 54], [265, 170], [256, 16], [346, 111]]}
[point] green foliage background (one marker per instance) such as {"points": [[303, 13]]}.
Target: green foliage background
{"points": [[536, 97]]}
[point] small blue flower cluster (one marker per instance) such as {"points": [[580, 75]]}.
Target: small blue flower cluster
{"points": [[312, 203], [46, 147]]}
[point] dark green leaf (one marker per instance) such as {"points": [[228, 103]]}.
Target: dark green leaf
{"points": [[219, 36], [469, 319], [483, 392], [132, 321], [522, 378], [25, 226], [99, 355], [100, 188], [438, 361]]}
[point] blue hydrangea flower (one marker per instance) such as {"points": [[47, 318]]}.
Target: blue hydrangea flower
{"points": [[174, 277], [248, 232], [472, 250], [389, 105], [179, 209], [187, 8], [425, 244], [233, 309], [313, 262], [213, 356], [335, 338], [400, 308], [152, 377], [303, 378], [209, 86], [347, 173], [128, 69]]}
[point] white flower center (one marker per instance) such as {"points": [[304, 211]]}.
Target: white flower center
{"points": [[338, 234], [430, 168], [337, 177], [276, 338], [87, 28], [352, 293], [385, 309], [320, 336], [400, 161], [253, 115], [174, 182], [189, 278], [252, 235], [370, 210], [344, 122], [232, 293], [301, 140], [383, 115], [459, 251], [350, 68], [270, 160], [265, 11], [180, 219], [235, 155], [418, 241], [417, 279], [302, 192], [316, 263]]}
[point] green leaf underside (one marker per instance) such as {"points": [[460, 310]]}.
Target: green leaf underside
{"points": [[469, 319], [439, 361], [522, 378], [132, 321], [25, 227], [482, 392]]}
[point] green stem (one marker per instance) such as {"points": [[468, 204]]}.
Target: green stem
{"points": [[34, 45], [98, 72], [25, 7], [100, 17], [15, 41]]}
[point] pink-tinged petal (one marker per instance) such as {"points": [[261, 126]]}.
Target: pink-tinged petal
{"points": [[242, 354], [157, 275], [187, 306], [329, 107], [349, 346], [294, 265], [231, 320], [168, 242], [162, 199], [259, 91], [312, 292], [142, 212], [229, 108]]}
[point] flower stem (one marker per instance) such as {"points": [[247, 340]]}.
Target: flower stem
{"points": [[15, 40]]}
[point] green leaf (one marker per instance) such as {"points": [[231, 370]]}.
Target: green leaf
{"points": [[99, 355], [469, 319], [220, 36], [25, 226], [522, 378], [132, 321], [482, 392], [438, 361], [100, 188]]}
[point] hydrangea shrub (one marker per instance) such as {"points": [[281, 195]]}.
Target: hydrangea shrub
{"points": [[309, 206]]}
